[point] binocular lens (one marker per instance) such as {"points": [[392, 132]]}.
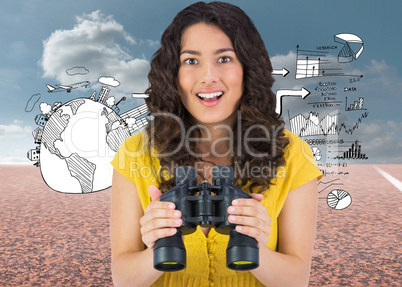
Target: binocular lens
{"points": [[242, 262], [170, 253], [242, 252]]}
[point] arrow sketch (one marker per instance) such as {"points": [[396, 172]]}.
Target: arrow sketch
{"points": [[282, 72], [303, 93]]}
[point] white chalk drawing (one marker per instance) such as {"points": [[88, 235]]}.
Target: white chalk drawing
{"points": [[356, 106], [309, 63], [353, 152], [316, 153], [282, 72], [109, 81], [32, 102], [313, 63], [77, 70], [66, 88], [77, 140], [313, 126], [329, 184], [339, 199], [303, 93], [139, 95], [352, 47]]}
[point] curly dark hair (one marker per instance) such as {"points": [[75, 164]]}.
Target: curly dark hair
{"points": [[257, 104]]}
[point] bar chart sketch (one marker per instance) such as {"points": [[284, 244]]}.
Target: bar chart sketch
{"points": [[357, 105], [354, 152], [308, 63]]}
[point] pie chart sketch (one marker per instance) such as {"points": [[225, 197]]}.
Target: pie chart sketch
{"points": [[316, 153], [339, 199], [352, 47]]}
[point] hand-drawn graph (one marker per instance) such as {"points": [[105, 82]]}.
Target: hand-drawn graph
{"points": [[354, 152], [352, 47], [309, 63], [329, 184], [357, 105], [312, 126], [316, 153], [339, 199]]}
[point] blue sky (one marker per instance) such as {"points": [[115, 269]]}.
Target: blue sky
{"points": [[42, 39]]}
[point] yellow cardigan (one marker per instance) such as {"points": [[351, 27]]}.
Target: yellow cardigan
{"points": [[206, 256]]}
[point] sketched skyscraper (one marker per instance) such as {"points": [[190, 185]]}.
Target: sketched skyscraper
{"points": [[103, 94], [93, 96]]}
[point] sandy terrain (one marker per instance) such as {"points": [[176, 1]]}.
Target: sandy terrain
{"points": [[54, 239]]}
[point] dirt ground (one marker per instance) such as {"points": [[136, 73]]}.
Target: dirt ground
{"points": [[53, 239]]}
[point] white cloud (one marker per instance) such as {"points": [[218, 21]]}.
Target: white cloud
{"points": [[45, 108], [110, 81], [100, 44], [15, 130]]}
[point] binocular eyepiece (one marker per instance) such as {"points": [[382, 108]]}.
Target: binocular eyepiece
{"points": [[199, 207]]}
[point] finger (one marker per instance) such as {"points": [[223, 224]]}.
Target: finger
{"points": [[167, 205], [259, 235], [253, 211], [159, 213], [257, 196], [154, 192], [150, 238], [246, 202], [161, 224], [255, 222]]}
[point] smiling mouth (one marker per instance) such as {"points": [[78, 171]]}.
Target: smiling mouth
{"points": [[210, 96]]}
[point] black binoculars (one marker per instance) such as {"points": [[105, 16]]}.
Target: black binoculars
{"points": [[200, 207]]}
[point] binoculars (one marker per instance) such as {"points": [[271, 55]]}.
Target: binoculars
{"points": [[200, 207]]}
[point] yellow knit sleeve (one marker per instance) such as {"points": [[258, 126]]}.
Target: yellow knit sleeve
{"points": [[302, 167], [135, 162]]}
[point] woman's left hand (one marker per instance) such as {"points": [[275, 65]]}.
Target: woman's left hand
{"points": [[251, 218]]}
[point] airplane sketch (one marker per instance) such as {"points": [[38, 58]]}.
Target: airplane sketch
{"points": [[67, 88]]}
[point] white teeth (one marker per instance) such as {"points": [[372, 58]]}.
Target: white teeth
{"points": [[211, 95]]}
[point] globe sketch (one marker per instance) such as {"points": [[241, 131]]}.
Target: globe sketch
{"points": [[79, 140]]}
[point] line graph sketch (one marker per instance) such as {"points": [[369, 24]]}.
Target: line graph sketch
{"points": [[313, 126], [329, 184]]}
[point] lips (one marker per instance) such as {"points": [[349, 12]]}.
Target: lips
{"points": [[210, 95]]}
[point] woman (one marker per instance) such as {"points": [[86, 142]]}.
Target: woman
{"points": [[211, 99]]}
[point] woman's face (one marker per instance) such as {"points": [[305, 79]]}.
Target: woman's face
{"points": [[210, 77]]}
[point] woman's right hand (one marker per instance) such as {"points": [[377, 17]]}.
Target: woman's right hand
{"points": [[160, 219]]}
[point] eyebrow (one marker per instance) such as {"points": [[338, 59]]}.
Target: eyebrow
{"points": [[220, 51]]}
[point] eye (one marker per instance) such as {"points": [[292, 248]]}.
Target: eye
{"points": [[224, 59], [191, 61]]}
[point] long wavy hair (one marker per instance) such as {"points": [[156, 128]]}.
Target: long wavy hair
{"points": [[256, 115]]}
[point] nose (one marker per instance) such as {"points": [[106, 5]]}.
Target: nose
{"points": [[209, 73]]}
